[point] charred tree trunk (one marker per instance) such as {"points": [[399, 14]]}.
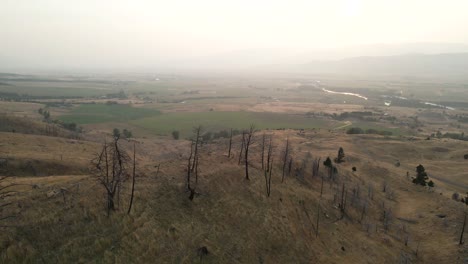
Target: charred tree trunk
{"points": [[268, 180], [230, 145], [196, 169], [363, 212], [321, 188], [285, 158], [269, 153], [318, 220], [189, 165], [110, 203], [242, 147], [315, 167], [133, 179], [343, 201], [248, 141], [290, 166], [197, 131], [463, 231], [110, 169], [263, 151]]}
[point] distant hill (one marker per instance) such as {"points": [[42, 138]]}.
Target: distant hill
{"points": [[447, 64]]}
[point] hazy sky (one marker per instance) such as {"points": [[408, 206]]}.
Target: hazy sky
{"points": [[137, 32]]}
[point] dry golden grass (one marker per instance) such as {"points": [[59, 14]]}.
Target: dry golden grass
{"points": [[233, 217]]}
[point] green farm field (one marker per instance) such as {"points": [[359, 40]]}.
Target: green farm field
{"points": [[103, 113], [57, 89], [214, 121]]}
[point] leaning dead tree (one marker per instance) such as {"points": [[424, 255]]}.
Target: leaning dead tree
{"points": [[263, 151], [247, 143], [285, 158], [463, 230], [193, 161], [230, 144], [133, 180], [110, 169]]}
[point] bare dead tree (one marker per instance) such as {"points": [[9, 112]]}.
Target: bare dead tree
{"points": [[343, 201], [270, 152], [189, 166], [463, 230], [387, 217], [268, 171], [133, 179], [384, 186], [110, 169], [267, 174], [248, 141], [285, 158], [364, 209], [230, 145], [242, 147], [189, 171], [318, 219], [197, 131], [370, 192], [315, 167], [321, 188], [356, 195], [263, 150], [196, 168], [193, 160], [157, 171]]}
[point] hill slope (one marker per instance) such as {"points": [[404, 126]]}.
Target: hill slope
{"points": [[233, 218]]}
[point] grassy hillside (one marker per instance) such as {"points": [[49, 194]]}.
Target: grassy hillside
{"points": [[233, 218]]}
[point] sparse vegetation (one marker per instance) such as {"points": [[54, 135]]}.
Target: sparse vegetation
{"points": [[357, 130]]}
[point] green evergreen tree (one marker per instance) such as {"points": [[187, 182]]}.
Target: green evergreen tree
{"points": [[341, 155], [421, 176]]}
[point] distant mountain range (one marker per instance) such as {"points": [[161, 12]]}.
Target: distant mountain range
{"points": [[389, 59], [447, 64]]}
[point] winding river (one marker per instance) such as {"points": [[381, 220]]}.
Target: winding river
{"points": [[344, 93]]}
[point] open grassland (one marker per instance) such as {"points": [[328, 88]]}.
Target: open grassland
{"points": [[101, 113], [20, 109]]}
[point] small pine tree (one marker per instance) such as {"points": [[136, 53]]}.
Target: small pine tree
{"points": [[430, 184], [127, 133], [421, 176], [116, 133], [328, 163], [175, 134], [341, 155]]}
